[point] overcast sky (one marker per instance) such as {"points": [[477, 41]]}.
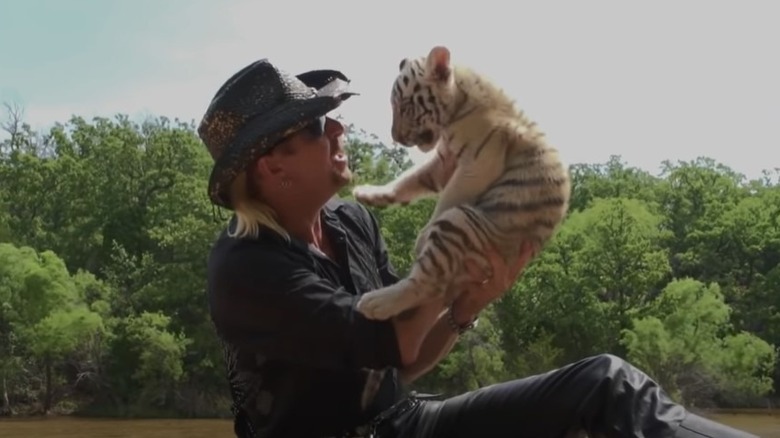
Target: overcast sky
{"points": [[651, 81]]}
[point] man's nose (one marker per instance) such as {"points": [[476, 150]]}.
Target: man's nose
{"points": [[333, 127]]}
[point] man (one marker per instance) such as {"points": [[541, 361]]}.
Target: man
{"points": [[286, 274]]}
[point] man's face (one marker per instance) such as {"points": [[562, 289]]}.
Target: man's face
{"points": [[312, 162]]}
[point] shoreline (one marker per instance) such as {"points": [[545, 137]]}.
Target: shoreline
{"points": [[768, 411]]}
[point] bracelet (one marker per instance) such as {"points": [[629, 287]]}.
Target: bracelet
{"points": [[458, 328]]}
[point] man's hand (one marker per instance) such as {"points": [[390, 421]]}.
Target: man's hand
{"points": [[484, 290]]}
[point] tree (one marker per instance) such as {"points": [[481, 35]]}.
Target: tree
{"points": [[105, 226]]}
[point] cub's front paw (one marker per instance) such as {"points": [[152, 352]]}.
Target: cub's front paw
{"points": [[377, 196]]}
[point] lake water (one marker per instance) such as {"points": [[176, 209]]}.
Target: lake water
{"points": [[763, 425]]}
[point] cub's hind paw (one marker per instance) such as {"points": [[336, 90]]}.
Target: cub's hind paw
{"points": [[381, 304]]}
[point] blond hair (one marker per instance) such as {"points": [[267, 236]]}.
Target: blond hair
{"points": [[251, 213]]}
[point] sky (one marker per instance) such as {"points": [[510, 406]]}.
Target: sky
{"points": [[649, 81]]}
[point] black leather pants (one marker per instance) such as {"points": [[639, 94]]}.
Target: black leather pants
{"points": [[600, 396]]}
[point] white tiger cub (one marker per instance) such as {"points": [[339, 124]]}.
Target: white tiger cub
{"points": [[499, 181]]}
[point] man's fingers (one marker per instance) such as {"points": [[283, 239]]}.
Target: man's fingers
{"points": [[526, 254], [504, 275], [474, 270]]}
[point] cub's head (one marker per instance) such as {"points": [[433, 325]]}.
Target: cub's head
{"points": [[422, 97]]}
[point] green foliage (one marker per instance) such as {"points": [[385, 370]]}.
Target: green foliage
{"points": [[688, 335], [105, 227], [475, 361]]}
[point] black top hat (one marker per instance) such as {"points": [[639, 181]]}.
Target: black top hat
{"points": [[255, 108]]}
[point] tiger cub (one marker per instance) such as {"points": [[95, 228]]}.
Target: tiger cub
{"points": [[499, 182]]}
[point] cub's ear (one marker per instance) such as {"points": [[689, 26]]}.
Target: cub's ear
{"points": [[402, 64], [437, 65]]}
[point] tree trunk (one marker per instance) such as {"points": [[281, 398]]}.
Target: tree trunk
{"points": [[5, 409], [48, 399]]}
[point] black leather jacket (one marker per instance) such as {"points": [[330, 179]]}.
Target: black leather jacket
{"points": [[297, 352]]}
